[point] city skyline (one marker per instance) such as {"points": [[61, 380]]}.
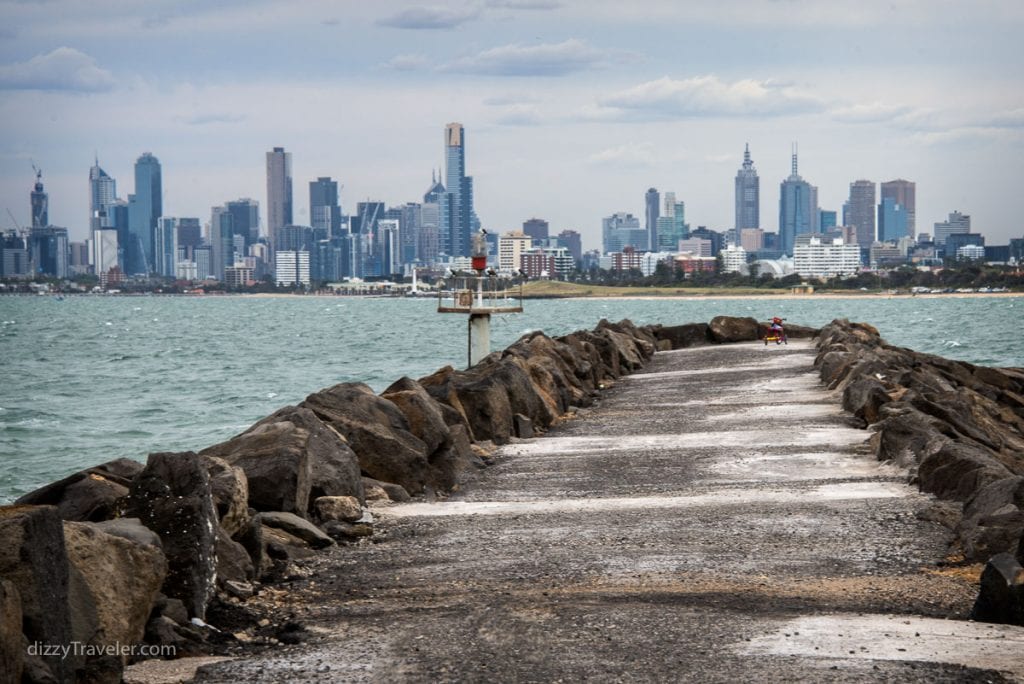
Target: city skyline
{"points": [[575, 108]]}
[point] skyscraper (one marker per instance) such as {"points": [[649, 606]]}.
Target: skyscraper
{"points": [[537, 229], [457, 203], [102, 193], [622, 230], [671, 225], [798, 208], [903, 193], [860, 211], [144, 208], [748, 194], [40, 203], [279, 192], [892, 220], [652, 206], [245, 221], [324, 208], [957, 223]]}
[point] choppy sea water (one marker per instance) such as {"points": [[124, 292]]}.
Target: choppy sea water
{"points": [[87, 379]]}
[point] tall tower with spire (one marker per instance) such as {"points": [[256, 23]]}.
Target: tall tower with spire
{"points": [[748, 194], [40, 202], [798, 208]]}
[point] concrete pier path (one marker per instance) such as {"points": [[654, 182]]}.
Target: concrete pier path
{"points": [[715, 517]]}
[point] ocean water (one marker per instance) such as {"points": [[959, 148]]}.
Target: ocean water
{"points": [[87, 379]]}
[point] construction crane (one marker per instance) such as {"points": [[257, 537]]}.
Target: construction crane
{"points": [[16, 224]]}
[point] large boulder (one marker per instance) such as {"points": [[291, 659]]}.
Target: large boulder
{"points": [[864, 397], [117, 582], [482, 402], [172, 497], [33, 560], [12, 651], [958, 469], [423, 413], [377, 431], [632, 352], [904, 435], [683, 336], [585, 361], [524, 396], [289, 458], [89, 495], [993, 519], [728, 329]]}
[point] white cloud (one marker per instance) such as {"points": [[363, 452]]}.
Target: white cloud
{"points": [[629, 154], [1013, 118], [970, 134], [406, 62], [429, 18], [545, 59], [875, 112], [520, 115], [706, 96], [62, 69], [213, 118], [525, 4]]}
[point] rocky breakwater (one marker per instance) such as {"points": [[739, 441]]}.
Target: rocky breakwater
{"points": [[959, 430], [125, 561]]}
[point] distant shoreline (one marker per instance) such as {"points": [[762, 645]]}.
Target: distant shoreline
{"points": [[597, 297]]}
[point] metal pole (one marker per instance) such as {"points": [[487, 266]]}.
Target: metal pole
{"points": [[479, 337]]}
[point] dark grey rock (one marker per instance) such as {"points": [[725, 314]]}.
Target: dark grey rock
{"points": [[171, 496], [523, 426], [233, 561], [864, 397], [88, 495], [297, 527], [394, 492], [377, 432], [33, 559], [729, 329], [1001, 597], [993, 520], [131, 529]]}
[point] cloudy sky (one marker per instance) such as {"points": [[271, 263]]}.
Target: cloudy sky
{"points": [[572, 108]]}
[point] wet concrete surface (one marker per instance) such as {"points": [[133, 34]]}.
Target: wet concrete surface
{"points": [[714, 518]]}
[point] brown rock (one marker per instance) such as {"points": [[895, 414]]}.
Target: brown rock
{"points": [[12, 651], [120, 581], [343, 508], [33, 559], [89, 495], [230, 490], [377, 431], [728, 329]]}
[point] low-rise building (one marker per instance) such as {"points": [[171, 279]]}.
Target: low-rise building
{"points": [[734, 259], [817, 258], [690, 264]]}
